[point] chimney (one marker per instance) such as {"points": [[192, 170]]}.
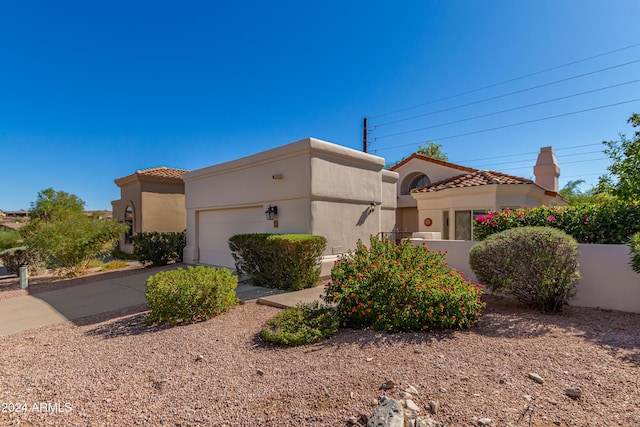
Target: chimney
{"points": [[547, 170]]}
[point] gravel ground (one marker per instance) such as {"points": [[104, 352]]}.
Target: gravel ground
{"points": [[121, 372]]}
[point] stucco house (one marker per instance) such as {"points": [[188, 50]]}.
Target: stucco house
{"points": [[440, 199], [309, 186], [150, 200]]}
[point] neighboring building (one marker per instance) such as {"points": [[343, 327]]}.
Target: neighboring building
{"points": [[443, 198], [317, 188], [150, 200], [17, 214]]}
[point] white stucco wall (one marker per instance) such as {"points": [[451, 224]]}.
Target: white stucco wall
{"points": [[608, 282], [321, 188]]}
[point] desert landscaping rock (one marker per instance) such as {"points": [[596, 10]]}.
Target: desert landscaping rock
{"points": [[410, 404], [537, 378], [404, 395], [411, 390], [388, 385], [484, 422], [434, 406], [388, 414], [574, 393]]}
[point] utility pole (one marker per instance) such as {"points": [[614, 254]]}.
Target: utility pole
{"points": [[364, 136]]}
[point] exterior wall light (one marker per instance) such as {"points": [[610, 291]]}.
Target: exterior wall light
{"points": [[271, 213], [372, 207]]}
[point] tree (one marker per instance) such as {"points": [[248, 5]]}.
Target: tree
{"points": [[54, 205], [623, 179], [62, 235], [574, 196], [433, 150], [430, 149]]}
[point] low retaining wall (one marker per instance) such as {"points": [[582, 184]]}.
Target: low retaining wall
{"points": [[607, 282]]}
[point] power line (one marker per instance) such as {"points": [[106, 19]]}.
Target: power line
{"points": [[565, 163], [513, 124], [507, 81], [507, 110], [530, 160], [509, 94], [526, 154]]}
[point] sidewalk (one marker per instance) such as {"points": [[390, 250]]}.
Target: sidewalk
{"points": [[47, 308]]}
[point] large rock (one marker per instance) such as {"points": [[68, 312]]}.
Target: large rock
{"points": [[388, 414]]}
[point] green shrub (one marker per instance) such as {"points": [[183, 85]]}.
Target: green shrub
{"points": [[282, 261], [14, 258], [190, 295], [159, 248], [610, 222], [634, 243], [401, 287], [69, 243], [538, 265], [8, 239], [302, 324]]}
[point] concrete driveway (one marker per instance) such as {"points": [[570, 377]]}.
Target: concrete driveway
{"points": [[112, 295]]}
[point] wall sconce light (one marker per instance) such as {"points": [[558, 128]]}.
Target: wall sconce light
{"points": [[372, 207], [271, 213]]}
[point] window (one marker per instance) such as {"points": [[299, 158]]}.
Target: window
{"points": [[414, 180], [464, 223], [128, 219]]}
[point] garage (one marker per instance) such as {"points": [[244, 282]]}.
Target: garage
{"points": [[215, 227]]}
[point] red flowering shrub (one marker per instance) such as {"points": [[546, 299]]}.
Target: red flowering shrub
{"points": [[401, 287]]}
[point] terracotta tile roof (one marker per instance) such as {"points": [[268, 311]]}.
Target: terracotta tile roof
{"points": [[162, 172], [436, 161], [474, 179]]}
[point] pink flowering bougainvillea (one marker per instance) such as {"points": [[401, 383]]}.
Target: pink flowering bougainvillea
{"points": [[610, 222]]}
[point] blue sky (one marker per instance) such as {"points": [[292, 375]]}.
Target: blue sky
{"points": [[93, 91]]}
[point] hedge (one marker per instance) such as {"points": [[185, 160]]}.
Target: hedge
{"points": [[282, 261]]}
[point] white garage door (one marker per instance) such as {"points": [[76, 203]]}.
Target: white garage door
{"points": [[215, 228]]}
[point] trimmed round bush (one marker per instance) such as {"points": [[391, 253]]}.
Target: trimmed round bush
{"points": [[281, 261], [401, 287], [190, 295], [538, 265], [302, 324]]}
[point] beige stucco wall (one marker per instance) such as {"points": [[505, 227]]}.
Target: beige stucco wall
{"points": [[163, 212], [321, 188], [608, 282], [407, 219]]}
